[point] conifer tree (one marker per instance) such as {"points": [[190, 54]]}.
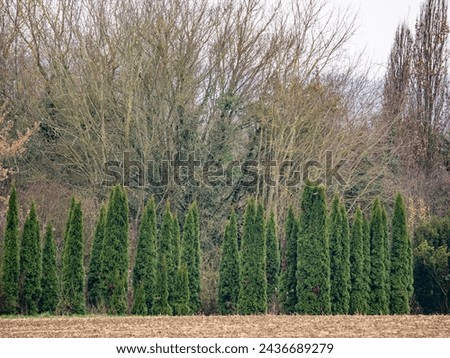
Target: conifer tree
{"points": [[387, 252], [367, 265], [253, 280], [72, 299], [191, 256], [378, 303], [10, 275], [229, 269], [272, 260], [30, 265], [288, 291], [166, 252], [49, 282], [181, 306], [115, 253], [94, 278], [313, 255], [161, 305], [175, 245], [346, 278], [144, 272], [139, 302], [400, 260], [358, 301]]}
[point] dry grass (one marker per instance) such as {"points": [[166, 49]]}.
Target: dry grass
{"points": [[231, 326]]}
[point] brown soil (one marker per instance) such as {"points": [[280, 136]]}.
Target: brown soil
{"points": [[231, 326]]}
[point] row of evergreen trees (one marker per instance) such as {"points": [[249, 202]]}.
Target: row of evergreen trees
{"points": [[165, 278], [329, 268]]}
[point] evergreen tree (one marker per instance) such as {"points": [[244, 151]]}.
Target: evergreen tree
{"points": [[181, 306], [72, 300], [191, 256], [253, 280], [166, 252], [49, 281], [378, 303], [272, 260], [175, 257], [313, 255], [358, 301], [387, 252], [289, 280], [115, 253], [367, 265], [339, 259], [139, 303], [229, 269], [94, 278], [401, 262], [161, 305], [10, 276], [30, 265], [144, 272]]}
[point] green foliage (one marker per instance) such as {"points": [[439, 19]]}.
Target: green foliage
{"points": [[115, 253], [272, 260], [72, 300], [30, 265], [432, 265], [378, 303], [229, 269], [94, 278], [181, 305], [191, 256], [339, 259], [367, 265], [253, 280], [49, 282], [358, 298], [144, 272], [161, 306], [401, 279], [10, 275], [387, 251], [313, 255], [288, 291], [139, 303]]}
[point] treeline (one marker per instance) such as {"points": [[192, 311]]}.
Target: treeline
{"points": [[330, 268], [165, 278]]}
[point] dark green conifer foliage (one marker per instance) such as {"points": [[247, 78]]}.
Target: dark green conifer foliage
{"points": [[366, 270], [253, 280], [161, 306], [229, 269], [10, 275], [181, 306], [339, 259], [288, 294], [387, 252], [358, 300], [378, 303], [30, 265], [139, 302], [191, 256], [49, 282], [94, 277], [144, 272], [313, 255], [166, 252], [273, 261], [400, 260], [72, 298], [115, 253]]}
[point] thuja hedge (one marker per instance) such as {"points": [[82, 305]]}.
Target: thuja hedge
{"points": [[317, 262]]}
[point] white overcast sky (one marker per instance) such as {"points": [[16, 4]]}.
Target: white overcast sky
{"points": [[377, 21]]}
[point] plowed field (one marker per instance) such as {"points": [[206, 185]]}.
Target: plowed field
{"points": [[231, 326]]}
